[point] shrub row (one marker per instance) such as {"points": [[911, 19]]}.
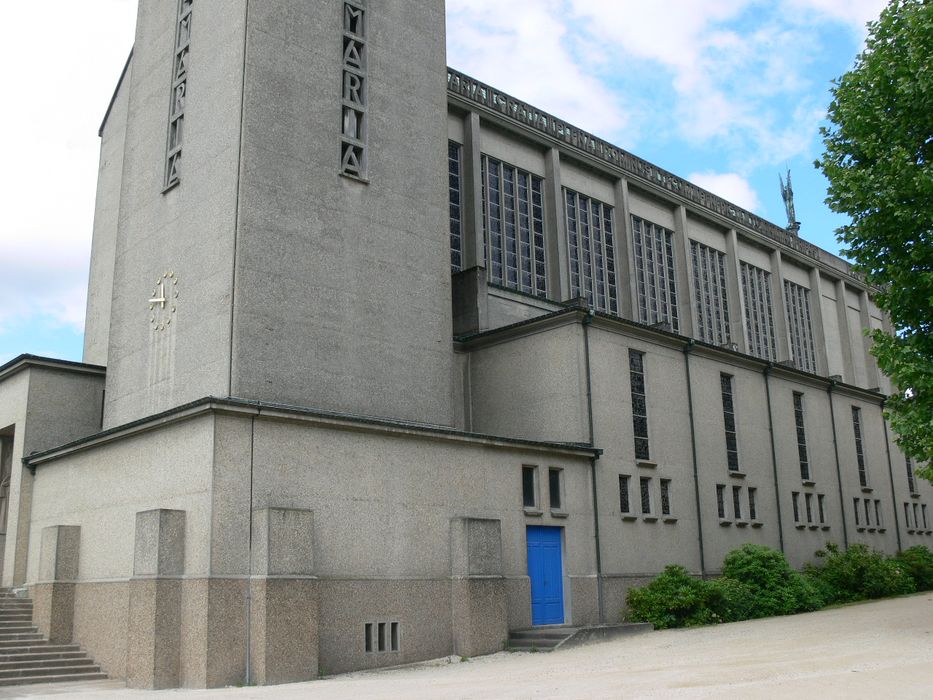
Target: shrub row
{"points": [[758, 582]]}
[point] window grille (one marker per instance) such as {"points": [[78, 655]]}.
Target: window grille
{"points": [[456, 214], [554, 488], [728, 414], [636, 362], [513, 227], [759, 312], [859, 452], [665, 496], [721, 500], [821, 505], [752, 504], [802, 453], [799, 326], [737, 502], [654, 274], [709, 294], [795, 496], [646, 495], [808, 501], [592, 252], [911, 482], [625, 504], [529, 487]]}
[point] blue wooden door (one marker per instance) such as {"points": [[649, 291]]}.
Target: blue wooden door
{"points": [[547, 576]]}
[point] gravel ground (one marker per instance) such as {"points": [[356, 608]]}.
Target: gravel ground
{"points": [[873, 650]]}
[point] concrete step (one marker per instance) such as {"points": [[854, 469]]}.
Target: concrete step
{"points": [[10, 632], [36, 671], [44, 664], [42, 647], [61, 678], [18, 637], [14, 625], [42, 656], [31, 640], [16, 617]]}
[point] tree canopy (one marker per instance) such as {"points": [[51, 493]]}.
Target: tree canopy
{"points": [[879, 148]]}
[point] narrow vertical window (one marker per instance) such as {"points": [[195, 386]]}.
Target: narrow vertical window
{"points": [[911, 482], [709, 294], [759, 312], [553, 478], [654, 274], [859, 452], [592, 252], [821, 504], [737, 502], [917, 520], [456, 214], [513, 227], [799, 326], [867, 504], [808, 500], [625, 504], [636, 362], [176, 117], [383, 638], [721, 501], [907, 516], [368, 635], [728, 415], [855, 507], [395, 636], [530, 487], [665, 496], [802, 453], [879, 521], [645, 482], [926, 525], [795, 496], [753, 504]]}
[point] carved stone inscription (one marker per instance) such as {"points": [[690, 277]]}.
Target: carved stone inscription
{"points": [[353, 151], [176, 117]]}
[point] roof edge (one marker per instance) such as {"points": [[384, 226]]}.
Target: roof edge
{"points": [[24, 361], [116, 91]]}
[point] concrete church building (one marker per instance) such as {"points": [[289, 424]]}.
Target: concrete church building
{"points": [[382, 364]]}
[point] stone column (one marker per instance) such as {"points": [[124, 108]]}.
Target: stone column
{"points": [[817, 329], [154, 635], [684, 272], [54, 594], [625, 259], [737, 330], [555, 221], [283, 598], [479, 604], [781, 333]]}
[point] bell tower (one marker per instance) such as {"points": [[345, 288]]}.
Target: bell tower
{"points": [[278, 216]]}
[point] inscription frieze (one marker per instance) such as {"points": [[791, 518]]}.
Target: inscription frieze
{"points": [[486, 96], [353, 148], [176, 123]]}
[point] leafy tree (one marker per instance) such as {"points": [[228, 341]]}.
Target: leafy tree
{"points": [[879, 162]]}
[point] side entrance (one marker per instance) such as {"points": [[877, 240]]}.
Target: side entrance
{"points": [[546, 570]]}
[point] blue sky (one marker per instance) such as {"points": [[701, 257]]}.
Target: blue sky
{"points": [[727, 93]]}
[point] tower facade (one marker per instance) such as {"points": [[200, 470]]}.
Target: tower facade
{"points": [[284, 239]]}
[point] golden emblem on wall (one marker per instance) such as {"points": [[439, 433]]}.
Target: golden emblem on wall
{"points": [[162, 305]]}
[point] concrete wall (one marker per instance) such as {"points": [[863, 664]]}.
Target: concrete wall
{"points": [[106, 226], [342, 296], [187, 231], [43, 407]]}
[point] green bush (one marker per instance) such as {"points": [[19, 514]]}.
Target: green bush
{"points": [[673, 599], [731, 600], [918, 561], [860, 573], [776, 589]]}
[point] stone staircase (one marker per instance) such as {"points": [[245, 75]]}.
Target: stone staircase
{"points": [[543, 639], [25, 657]]}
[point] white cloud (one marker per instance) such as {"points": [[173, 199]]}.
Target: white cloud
{"points": [[529, 52], [855, 13], [730, 186]]}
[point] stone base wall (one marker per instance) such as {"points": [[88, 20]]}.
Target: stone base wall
{"points": [[101, 621]]}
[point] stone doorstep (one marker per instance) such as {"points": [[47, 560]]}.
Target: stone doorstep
{"points": [[551, 638], [63, 678]]}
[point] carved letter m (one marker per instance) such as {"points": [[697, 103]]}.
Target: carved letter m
{"points": [[353, 19]]}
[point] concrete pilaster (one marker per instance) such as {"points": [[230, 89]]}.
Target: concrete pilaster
{"points": [[558, 256], [54, 610], [736, 299], [842, 317], [625, 262], [471, 193], [816, 325], [154, 636], [283, 598], [684, 272], [479, 600], [872, 374], [781, 333]]}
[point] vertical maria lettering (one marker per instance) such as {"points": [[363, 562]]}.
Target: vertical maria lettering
{"points": [[353, 150], [176, 116]]}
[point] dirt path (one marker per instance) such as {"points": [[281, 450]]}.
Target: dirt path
{"points": [[876, 650]]}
